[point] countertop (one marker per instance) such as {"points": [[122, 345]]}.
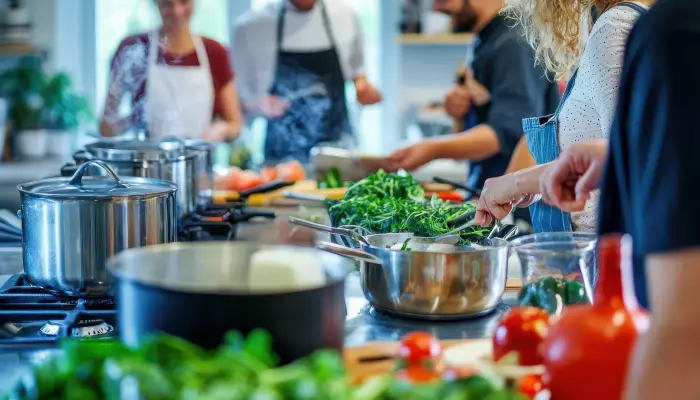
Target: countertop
{"points": [[363, 324]]}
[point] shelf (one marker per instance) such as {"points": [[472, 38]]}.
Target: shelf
{"points": [[443, 39], [19, 49]]}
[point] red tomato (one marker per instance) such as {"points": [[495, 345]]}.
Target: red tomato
{"points": [[268, 174], [248, 180], [450, 196], [531, 385], [417, 374], [419, 347], [291, 171], [521, 330]]}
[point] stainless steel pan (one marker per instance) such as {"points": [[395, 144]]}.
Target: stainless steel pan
{"points": [[430, 285]]}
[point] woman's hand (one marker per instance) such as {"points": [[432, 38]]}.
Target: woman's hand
{"points": [[568, 182], [498, 198], [219, 131]]}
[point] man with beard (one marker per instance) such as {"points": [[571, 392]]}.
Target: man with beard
{"points": [[502, 86], [293, 59]]}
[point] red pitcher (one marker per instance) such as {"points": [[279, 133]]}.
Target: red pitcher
{"points": [[587, 351]]}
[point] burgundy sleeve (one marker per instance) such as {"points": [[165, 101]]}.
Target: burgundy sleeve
{"points": [[219, 63]]}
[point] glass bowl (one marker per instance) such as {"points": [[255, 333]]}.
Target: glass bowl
{"points": [[550, 261]]}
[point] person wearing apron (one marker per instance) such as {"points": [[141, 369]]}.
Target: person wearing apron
{"points": [[180, 85], [314, 86], [544, 134]]}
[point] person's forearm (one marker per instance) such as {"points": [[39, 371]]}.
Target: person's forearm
{"points": [[112, 126], [528, 180], [665, 365], [476, 144], [521, 158]]}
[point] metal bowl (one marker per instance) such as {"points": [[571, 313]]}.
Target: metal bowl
{"points": [[430, 285]]}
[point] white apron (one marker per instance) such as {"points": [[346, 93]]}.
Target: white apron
{"points": [[179, 99]]}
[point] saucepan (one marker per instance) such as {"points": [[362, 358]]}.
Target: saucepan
{"points": [[466, 282], [199, 291]]}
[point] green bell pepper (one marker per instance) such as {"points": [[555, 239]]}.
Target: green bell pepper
{"points": [[574, 293]]}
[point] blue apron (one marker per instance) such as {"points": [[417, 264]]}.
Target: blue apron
{"points": [[314, 84], [542, 135]]}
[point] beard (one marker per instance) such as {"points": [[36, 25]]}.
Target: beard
{"points": [[465, 20]]}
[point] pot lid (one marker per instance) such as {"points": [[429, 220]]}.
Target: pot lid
{"points": [[92, 187], [129, 150]]}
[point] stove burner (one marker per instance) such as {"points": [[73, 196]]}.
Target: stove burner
{"points": [[93, 327]]}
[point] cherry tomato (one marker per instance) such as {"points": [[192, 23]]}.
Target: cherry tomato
{"points": [[521, 330], [450, 196], [416, 373], [419, 347], [531, 385]]}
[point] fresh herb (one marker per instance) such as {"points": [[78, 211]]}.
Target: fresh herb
{"points": [[391, 203], [166, 367], [332, 179]]}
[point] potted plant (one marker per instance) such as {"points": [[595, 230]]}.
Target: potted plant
{"points": [[64, 112], [44, 113], [23, 88]]}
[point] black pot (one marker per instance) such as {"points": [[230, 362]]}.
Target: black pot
{"points": [[199, 291]]}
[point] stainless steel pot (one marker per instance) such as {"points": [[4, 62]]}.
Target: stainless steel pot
{"points": [[168, 160], [430, 285], [204, 169], [72, 226]]}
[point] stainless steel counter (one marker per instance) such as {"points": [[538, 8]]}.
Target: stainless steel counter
{"points": [[363, 324]]}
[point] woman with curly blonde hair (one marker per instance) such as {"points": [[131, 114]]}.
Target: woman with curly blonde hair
{"points": [[570, 42]]}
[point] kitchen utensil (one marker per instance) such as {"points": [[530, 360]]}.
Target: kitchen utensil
{"points": [[168, 160], [328, 229], [470, 222], [199, 291], [568, 255], [71, 226], [304, 196], [471, 190], [435, 286]]}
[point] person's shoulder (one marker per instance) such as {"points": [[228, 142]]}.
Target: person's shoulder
{"points": [[214, 48], [137, 40], [263, 15], [666, 19]]}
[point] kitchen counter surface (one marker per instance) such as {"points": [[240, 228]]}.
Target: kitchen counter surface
{"points": [[363, 324]]}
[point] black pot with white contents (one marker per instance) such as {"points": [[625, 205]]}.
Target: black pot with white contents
{"points": [[200, 291]]}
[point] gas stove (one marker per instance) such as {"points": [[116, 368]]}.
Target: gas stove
{"points": [[31, 316]]}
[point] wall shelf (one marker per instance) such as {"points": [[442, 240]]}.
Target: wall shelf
{"points": [[443, 39]]}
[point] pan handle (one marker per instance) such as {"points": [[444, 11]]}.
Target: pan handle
{"points": [[265, 188], [328, 229], [355, 254]]}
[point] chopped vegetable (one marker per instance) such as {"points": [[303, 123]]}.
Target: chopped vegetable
{"points": [[332, 179], [548, 292], [386, 203], [166, 367]]}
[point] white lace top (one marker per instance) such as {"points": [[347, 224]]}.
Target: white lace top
{"points": [[588, 112]]}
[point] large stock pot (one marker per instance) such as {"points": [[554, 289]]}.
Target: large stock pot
{"points": [[72, 226]]}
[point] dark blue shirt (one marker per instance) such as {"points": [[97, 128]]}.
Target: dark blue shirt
{"points": [[650, 187], [504, 64]]}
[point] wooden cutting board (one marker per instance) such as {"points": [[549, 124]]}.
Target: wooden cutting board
{"points": [[359, 370]]}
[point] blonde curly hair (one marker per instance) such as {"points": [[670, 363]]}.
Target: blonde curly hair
{"points": [[556, 29]]}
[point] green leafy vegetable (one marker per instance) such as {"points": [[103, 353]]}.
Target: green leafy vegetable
{"points": [[165, 367], [391, 203]]}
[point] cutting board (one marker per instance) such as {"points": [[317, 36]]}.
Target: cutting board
{"points": [[277, 197], [358, 370]]}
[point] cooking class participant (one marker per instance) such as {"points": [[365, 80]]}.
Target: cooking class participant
{"points": [[293, 59], [179, 84], [649, 190], [503, 88], [586, 109]]}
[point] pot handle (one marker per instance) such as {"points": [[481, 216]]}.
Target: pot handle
{"points": [[77, 178], [355, 254]]}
